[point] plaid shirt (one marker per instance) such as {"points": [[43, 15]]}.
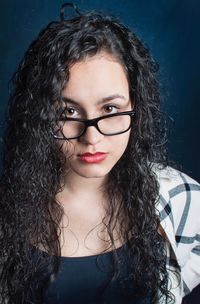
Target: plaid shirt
{"points": [[179, 211]]}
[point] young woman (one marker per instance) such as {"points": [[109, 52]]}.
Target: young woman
{"points": [[91, 212]]}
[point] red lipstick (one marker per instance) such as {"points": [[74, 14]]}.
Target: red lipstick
{"points": [[92, 158]]}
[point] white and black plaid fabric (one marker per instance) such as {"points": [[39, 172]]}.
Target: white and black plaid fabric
{"points": [[179, 211]]}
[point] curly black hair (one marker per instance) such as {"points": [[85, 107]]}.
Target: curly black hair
{"points": [[34, 165]]}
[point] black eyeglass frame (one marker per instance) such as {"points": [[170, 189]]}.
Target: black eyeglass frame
{"points": [[94, 123]]}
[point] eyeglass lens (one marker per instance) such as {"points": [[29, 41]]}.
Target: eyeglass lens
{"points": [[108, 126]]}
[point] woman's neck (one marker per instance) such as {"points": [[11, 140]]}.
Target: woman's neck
{"points": [[79, 190], [77, 184]]}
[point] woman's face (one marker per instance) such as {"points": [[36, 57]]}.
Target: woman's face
{"points": [[97, 86]]}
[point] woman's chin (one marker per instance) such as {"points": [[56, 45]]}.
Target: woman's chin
{"points": [[91, 172]]}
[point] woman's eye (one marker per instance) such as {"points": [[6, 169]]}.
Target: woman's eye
{"points": [[70, 112], [109, 109]]}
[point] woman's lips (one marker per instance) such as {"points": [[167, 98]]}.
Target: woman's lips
{"points": [[92, 158]]}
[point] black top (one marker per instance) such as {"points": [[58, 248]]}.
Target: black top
{"points": [[88, 279]]}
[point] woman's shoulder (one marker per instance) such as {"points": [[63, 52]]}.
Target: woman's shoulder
{"points": [[178, 192], [171, 177]]}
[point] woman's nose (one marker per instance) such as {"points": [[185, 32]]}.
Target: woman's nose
{"points": [[92, 136]]}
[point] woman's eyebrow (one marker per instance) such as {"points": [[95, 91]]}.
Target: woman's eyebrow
{"points": [[111, 97], [67, 99], [102, 100]]}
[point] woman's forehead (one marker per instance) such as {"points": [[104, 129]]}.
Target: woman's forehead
{"points": [[96, 78]]}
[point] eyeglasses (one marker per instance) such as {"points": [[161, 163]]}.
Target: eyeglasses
{"points": [[109, 125]]}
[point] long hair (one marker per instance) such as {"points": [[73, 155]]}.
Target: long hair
{"points": [[34, 165]]}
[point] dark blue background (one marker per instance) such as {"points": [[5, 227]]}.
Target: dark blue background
{"points": [[171, 30]]}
